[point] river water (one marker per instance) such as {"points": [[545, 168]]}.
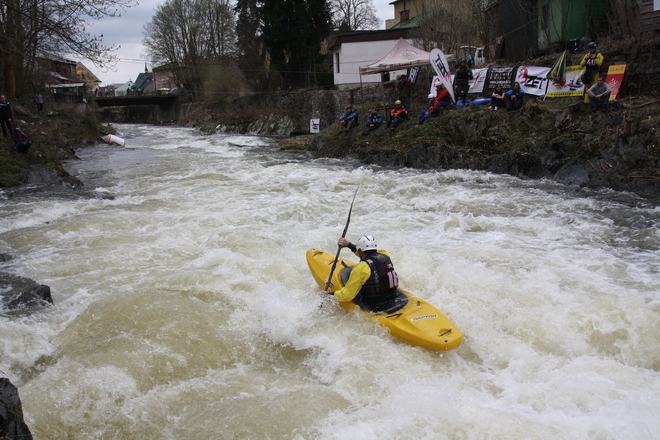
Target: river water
{"points": [[184, 307]]}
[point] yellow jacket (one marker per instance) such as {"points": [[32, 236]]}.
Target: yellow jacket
{"points": [[359, 275]]}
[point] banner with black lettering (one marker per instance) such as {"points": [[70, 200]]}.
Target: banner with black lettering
{"points": [[533, 79], [502, 76], [441, 66]]}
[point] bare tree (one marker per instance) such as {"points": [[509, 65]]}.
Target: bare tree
{"points": [[352, 15], [191, 35], [447, 24], [51, 28]]}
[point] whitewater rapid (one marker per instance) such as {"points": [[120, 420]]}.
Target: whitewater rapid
{"points": [[184, 307]]}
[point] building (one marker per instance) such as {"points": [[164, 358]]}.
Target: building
{"points": [[523, 29], [92, 82], [122, 89], [352, 50], [405, 12], [164, 77], [649, 15], [144, 83]]}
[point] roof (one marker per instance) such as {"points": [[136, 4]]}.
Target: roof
{"points": [[365, 36], [402, 56], [58, 76], [408, 24], [64, 86]]}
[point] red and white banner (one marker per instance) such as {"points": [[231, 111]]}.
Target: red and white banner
{"points": [[479, 81], [533, 79], [441, 66], [615, 78]]}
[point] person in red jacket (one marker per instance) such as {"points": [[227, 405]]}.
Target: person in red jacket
{"points": [[433, 110], [442, 94]]}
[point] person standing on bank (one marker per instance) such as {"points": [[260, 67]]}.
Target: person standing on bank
{"points": [[39, 100], [6, 116], [404, 90], [373, 282], [591, 63], [462, 81]]}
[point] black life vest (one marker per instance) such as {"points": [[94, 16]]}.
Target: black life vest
{"points": [[379, 292], [462, 77]]}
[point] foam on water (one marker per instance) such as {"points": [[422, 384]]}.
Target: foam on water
{"points": [[184, 307]]}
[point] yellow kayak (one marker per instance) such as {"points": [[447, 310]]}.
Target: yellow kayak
{"points": [[418, 323]]}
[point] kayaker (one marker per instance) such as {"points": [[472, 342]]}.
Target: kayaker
{"points": [[373, 281]]}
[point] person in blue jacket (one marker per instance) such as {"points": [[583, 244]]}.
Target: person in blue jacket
{"points": [[374, 121], [347, 120], [514, 97]]}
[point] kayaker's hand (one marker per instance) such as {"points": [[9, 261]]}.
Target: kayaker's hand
{"points": [[324, 293], [342, 242]]}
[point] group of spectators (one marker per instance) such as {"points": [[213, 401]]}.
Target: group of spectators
{"points": [[512, 99]]}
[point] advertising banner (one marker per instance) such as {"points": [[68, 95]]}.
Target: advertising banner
{"points": [[615, 78], [479, 81], [572, 86], [412, 75], [441, 66], [502, 76], [533, 79], [314, 125]]}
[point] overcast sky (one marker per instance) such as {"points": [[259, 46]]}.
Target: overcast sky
{"points": [[126, 31]]}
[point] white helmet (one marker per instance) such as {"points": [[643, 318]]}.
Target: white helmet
{"points": [[431, 95], [366, 243]]}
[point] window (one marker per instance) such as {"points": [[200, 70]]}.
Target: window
{"points": [[337, 59]]}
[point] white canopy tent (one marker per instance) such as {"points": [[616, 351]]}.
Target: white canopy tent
{"points": [[403, 56]]}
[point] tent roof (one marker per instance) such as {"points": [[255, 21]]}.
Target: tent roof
{"points": [[403, 56]]}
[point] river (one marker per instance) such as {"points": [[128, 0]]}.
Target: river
{"points": [[184, 307]]}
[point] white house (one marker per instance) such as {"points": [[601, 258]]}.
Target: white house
{"points": [[121, 90], [352, 50]]}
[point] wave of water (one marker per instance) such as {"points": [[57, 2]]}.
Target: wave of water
{"points": [[184, 307]]}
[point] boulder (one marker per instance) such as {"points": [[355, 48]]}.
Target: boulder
{"points": [[23, 294], [12, 425]]}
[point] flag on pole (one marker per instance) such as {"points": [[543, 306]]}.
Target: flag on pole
{"points": [[558, 71]]}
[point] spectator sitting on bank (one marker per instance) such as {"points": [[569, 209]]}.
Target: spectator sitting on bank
{"points": [[374, 121], [21, 142], [442, 94], [514, 97], [497, 100], [433, 110], [591, 63], [347, 120], [599, 94], [397, 115]]}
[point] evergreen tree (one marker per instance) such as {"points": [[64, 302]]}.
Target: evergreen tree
{"points": [[293, 31]]}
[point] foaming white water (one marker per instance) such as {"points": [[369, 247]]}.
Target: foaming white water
{"points": [[185, 309]]}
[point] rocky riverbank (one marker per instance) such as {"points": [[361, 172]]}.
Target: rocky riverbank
{"points": [[557, 139]]}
